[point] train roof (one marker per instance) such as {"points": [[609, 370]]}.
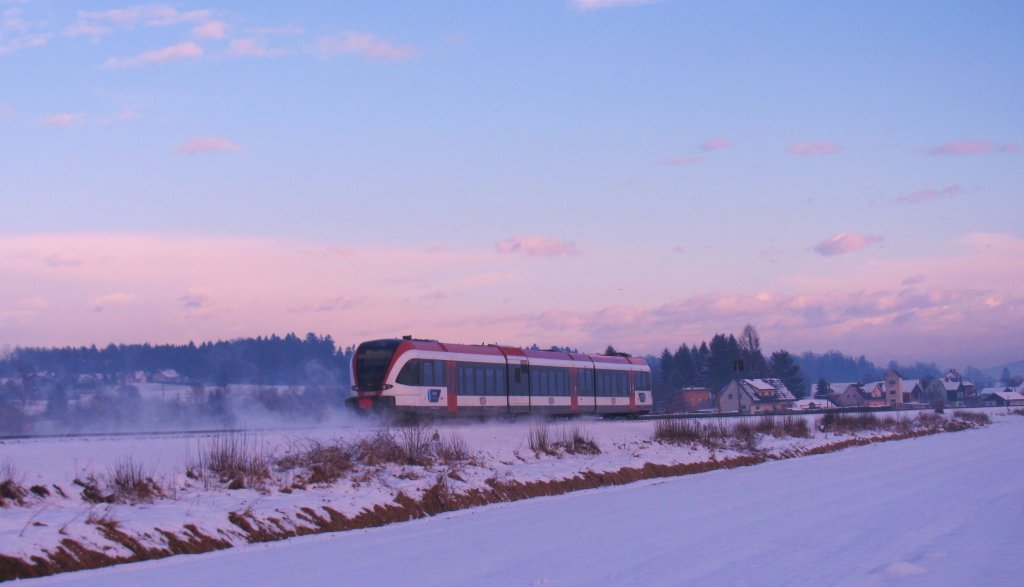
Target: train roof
{"points": [[502, 350]]}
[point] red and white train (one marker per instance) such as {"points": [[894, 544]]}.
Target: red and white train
{"points": [[426, 376]]}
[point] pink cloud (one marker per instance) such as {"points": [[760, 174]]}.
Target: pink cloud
{"points": [[823, 148], [210, 30], [716, 144], [62, 119], [366, 45], [973, 148], [104, 302], [173, 53], [930, 194], [148, 15], [206, 145], [684, 161], [598, 4], [251, 48], [537, 246], [845, 243]]}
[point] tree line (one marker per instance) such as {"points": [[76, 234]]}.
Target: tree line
{"points": [[712, 364], [271, 360]]}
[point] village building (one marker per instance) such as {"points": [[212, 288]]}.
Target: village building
{"points": [[690, 399], [755, 396], [1000, 397], [846, 395], [953, 389], [167, 376]]}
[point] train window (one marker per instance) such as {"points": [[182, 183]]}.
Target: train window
{"points": [[410, 373], [490, 381], [480, 389], [427, 373], [562, 387]]}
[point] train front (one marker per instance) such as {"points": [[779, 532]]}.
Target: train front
{"points": [[369, 371]]}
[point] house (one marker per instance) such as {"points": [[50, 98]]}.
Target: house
{"points": [[130, 377], [166, 376], [755, 396], [874, 394], [899, 391], [846, 395], [952, 388], [690, 399], [1000, 397]]}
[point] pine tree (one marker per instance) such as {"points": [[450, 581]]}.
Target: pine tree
{"points": [[822, 389], [783, 366]]}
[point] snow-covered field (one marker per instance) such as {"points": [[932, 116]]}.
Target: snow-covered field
{"points": [[871, 514]]}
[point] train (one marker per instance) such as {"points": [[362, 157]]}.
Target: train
{"points": [[420, 377]]}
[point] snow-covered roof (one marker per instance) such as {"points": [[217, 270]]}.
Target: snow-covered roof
{"points": [[813, 404], [1006, 393], [755, 388]]}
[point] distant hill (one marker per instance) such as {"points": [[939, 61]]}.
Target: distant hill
{"points": [[1016, 368]]}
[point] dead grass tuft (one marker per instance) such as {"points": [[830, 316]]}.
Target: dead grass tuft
{"points": [[324, 462], [539, 439], [11, 490], [577, 441], [452, 448], [238, 459], [975, 418], [129, 483]]}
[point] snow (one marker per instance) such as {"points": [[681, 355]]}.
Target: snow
{"points": [[938, 510]]}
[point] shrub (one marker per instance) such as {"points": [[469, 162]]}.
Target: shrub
{"points": [[1017, 412]]}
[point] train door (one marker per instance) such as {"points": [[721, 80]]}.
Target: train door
{"points": [[574, 390], [518, 385], [632, 391], [453, 387]]}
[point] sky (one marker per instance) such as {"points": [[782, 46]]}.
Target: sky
{"points": [[841, 175]]}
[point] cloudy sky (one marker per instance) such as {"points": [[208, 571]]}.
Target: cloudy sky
{"points": [[842, 175]]}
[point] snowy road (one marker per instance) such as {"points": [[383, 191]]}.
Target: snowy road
{"points": [[941, 510]]}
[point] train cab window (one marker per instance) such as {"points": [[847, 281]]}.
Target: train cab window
{"points": [[410, 373]]}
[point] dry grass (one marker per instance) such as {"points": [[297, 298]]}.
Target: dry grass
{"points": [[539, 439], [11, 490], [323, 462], [129, 483], [416, 445], [239, 459], [1017, 412], [976, 418], [744, 433], [576, 440], [452, 448]]}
